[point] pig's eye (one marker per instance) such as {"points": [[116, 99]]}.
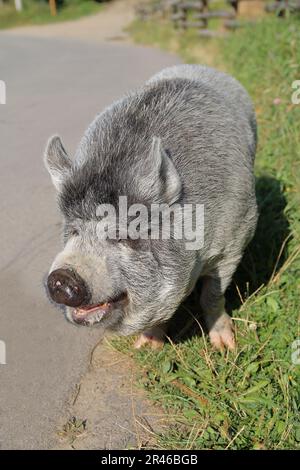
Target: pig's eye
{"points": [[74, 232]]}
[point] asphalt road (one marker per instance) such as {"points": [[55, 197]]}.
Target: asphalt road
{"points": [[53, 86]]}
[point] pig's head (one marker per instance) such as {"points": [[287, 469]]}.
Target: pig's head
{"points": [[123, 284]]}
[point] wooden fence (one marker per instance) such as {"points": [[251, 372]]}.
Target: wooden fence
{"points": [[199, 13], [281, 7]]}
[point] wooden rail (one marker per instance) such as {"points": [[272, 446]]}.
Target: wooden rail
{"points": [[199, 13]]}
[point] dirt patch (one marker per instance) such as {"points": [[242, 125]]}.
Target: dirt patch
{"points": [[107, 410], [206, 54]]}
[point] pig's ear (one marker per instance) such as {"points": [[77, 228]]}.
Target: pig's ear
{"points": [[56, 161], [164, 173]]}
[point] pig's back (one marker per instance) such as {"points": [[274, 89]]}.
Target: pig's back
{"points": [[231, 92], [204, 119]]}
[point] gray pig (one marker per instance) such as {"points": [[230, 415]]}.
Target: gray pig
{"points": [[188, 136]]}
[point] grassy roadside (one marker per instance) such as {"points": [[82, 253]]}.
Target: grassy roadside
{"points": [[37, 12], [248, 399]]}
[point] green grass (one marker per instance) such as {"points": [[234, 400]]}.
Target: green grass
{"points": [[248, 399], [37, 12]]}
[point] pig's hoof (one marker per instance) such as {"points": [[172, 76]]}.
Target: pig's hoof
{"points": [[153, 338], [221, 333]]}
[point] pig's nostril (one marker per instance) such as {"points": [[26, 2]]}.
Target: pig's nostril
{"points": [[66, 287]]}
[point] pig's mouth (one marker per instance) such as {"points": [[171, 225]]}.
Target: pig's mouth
{"points": [[93, 313]]}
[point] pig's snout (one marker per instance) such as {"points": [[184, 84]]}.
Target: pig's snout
{"points": [[66, 287]]}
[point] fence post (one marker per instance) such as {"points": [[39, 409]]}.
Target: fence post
{"points": [[53, 10], [18, 5]]}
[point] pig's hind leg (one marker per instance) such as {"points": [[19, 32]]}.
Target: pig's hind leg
{"points": [[154, 337], [212, 301]]}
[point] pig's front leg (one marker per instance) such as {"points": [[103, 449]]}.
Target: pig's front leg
{"points": [[154, 337], [218, 322]]}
